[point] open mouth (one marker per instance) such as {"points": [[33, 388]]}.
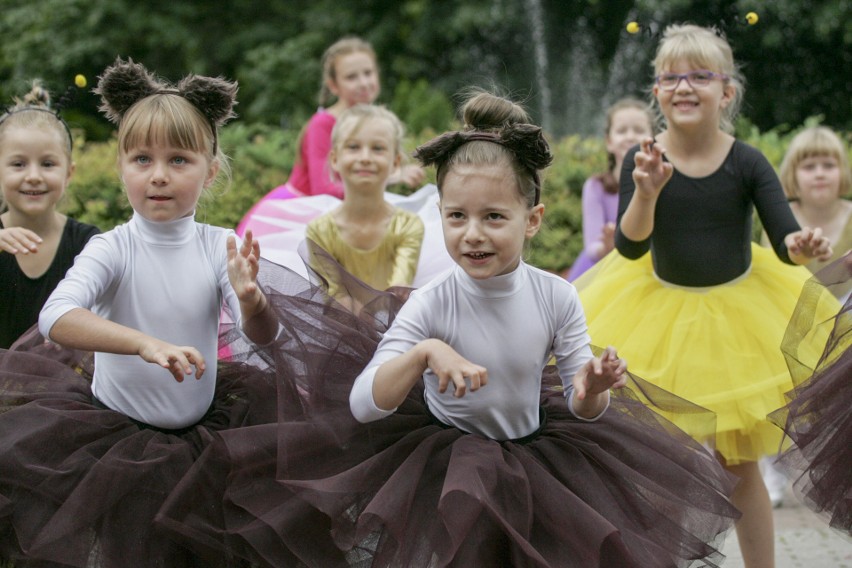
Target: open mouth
{"points": [[478, 255], [33, 192], [159, 198]]}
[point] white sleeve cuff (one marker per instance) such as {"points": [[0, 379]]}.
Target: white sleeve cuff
{"points": [[584, 419], [361, 401]]}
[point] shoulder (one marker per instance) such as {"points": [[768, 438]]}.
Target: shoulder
{"points": [[322, 120], [321, 224], [78, 231], [405, 218]]}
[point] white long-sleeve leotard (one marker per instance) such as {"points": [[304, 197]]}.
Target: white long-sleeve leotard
{"points": [[168, 280], [510, 324]]}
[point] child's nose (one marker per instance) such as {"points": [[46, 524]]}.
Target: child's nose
{"points": [[159, 174], [473, 233], [33, 172]]}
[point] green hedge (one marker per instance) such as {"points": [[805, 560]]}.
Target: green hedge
{"points": [[261, 156]]}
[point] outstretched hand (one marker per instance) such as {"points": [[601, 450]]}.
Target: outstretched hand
{"points": [[178, 360], [18, 240], [806, 244], [652, 172], [243, 264], [600, 374], [450, 367]]}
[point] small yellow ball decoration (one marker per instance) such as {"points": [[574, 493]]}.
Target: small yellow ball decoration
{"points": [[632, 27], [80, 81], [751, 18]]}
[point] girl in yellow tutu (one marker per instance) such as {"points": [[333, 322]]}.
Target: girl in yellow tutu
{"points": [[703, 314]]}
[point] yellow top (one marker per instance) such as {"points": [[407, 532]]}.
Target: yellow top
{"points": [[392, 262]]}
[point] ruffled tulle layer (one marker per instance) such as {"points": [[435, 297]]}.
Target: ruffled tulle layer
{"points": [[280, 474], [81, 483], [718, 347], [818, 417], [320, 489], [627, 490]]}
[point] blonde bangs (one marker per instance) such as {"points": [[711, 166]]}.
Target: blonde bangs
{"points": [[165, 120]]}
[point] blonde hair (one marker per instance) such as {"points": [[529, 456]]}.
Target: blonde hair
{"points": [[609, 178], [703, 48], [168, 119], [341, 47], [813, 142], [33, 110], [354, 118]]}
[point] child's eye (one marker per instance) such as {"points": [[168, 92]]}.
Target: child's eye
{"points": [[142, 159], [48, 164], [456, 215], [179, 160], [494, 216]]}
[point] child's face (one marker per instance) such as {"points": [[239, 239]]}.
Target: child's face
{"points": [[818, 178], [35, 169], [366, 156], [356, 79], [484, 220], [687, 105], [629, 126], [164, 183]]}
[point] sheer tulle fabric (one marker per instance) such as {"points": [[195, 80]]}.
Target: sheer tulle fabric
{"points": [[818, 418], [80, 484], [320, 489], [717, 347]]}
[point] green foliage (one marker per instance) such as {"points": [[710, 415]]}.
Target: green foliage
{"points": [[421, 107]]}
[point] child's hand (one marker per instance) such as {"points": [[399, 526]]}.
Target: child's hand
{"points": [[608, 238], [449, 366], [243, 267], [806, 244], [410, 175], [600, 374], [652, 172], [178, 360], [18, 240]]}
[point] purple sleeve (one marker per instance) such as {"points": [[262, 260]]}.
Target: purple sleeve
{"points": [[316, 146], [594, 215]]}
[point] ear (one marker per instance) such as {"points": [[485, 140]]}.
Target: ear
{"points": [[212, 171], [536, 214], [728, 95], [72, 167], [331, 85], [332, 160]]}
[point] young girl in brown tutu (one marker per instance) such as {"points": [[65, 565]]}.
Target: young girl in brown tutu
{"points": [[818, 418], [86, 465], [468, 450]]}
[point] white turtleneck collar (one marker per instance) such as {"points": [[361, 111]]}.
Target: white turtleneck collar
{"points": [[495, 287], [175, 232]]}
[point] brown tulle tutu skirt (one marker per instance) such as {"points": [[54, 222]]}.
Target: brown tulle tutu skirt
{"points": [[320, 489], [279, 473], [818, 418]]}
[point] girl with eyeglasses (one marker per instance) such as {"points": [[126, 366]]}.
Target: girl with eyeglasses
{"points": [[692, 303]]}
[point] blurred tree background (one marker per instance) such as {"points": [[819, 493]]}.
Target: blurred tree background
{"points": [[567, 60]]}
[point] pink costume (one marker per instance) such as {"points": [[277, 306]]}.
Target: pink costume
{"points": [[311, 174]]}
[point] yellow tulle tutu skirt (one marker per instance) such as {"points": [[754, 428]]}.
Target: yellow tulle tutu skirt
{"points": [[718, 347]]}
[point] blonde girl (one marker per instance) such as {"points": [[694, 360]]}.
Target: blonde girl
{"points": [[89, 463], [372, 239], [690, 301], [37, 242]]}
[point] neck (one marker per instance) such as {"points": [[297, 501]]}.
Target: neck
{"points": [[818, 215], [42, 225], [365, 206], [337, 108], [692, 141]]}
